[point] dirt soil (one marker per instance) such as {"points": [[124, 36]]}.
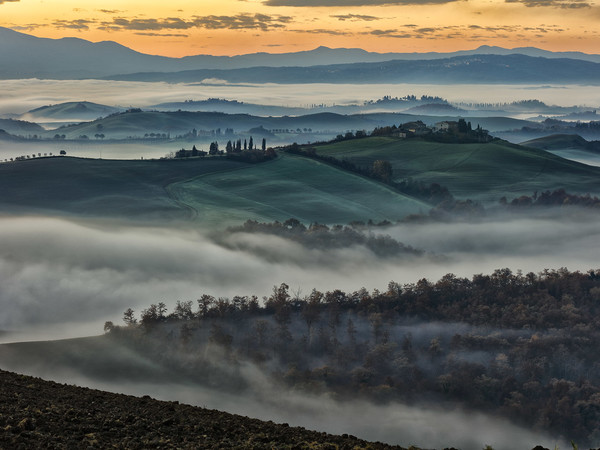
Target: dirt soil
{"points": [[42, 414]]}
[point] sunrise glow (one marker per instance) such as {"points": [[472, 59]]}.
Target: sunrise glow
{"points": [[229, 27]]}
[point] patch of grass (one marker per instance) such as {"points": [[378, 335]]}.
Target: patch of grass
{"points": [[107, 188], [483, 172], [292, 187]]}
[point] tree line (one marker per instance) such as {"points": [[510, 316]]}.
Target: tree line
{"points": [[522, 346]]}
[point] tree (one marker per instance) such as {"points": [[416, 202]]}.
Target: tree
{"points": [[382, 170], [63, 152], [214, 148], [250, 143], [264, 144], [229, 147], [108, 326], [129, 317], [183, 310]]}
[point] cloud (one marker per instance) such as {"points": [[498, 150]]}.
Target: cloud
{"points": [[6, 1], [170, 23], [79, 24], [453, 31], [322, 31], [243, 21], [337, 3], [240, 21], [161, 34], [390, 34], [569, 4], [355, 17]]}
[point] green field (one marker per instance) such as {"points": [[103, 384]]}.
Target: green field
{"points": [[130, 189], [482, 172], [208, 190], [292, 187]]}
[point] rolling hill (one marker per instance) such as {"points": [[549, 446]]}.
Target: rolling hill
{"points": [[208, 190], [99, 188], [292, 187], [137, 123], [482, 172], [75, 111], [563, 142], [20, 127]]}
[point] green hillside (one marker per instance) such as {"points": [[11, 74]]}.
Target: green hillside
{"points": [[214, 190], [132, 189], [564, 142], [480, 171], [292, 187], [557, 142], [71, 110]]}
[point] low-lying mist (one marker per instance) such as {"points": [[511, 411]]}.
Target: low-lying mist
{"points": [[64, 278], [58, 271], [20, 96], [425, 425]]}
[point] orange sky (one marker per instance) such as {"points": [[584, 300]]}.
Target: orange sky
{"points": [[229, 27]]}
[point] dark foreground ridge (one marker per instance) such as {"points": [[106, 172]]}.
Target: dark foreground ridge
{"points": [[42, 414]]}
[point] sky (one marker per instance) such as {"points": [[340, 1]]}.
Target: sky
{"points": [[230, 27]]}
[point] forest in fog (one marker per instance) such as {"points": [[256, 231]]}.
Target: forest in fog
{"points": [[520, 346]]}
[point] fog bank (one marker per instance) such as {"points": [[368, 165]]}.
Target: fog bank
{"points": [[20, 96], [424, 425], [58, 272]]}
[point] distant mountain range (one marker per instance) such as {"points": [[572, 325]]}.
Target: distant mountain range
{"points": [[26, 56], [502, 69]]}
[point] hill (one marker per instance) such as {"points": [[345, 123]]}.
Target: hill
{"points": [[563, 142], [292, 187], [20, 127], [93, 187], [213, 190], [137, 123], [41, 414], [436, 109], [78, 111], [479, 171]]}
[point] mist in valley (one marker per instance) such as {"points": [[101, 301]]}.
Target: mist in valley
{"points": [[58, 271], [248, 390], [427, 426], [20, 96], [63, 278]]}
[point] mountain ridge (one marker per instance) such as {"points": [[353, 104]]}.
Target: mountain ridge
{"points": [[475, 69], [28, 56]]}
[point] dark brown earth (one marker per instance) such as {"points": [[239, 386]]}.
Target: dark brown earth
{"points": [[42, 414]]}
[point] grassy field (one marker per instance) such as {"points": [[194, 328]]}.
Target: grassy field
{"points": [[213, 190], [482, 172], [131, 189], [292, 187]]}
